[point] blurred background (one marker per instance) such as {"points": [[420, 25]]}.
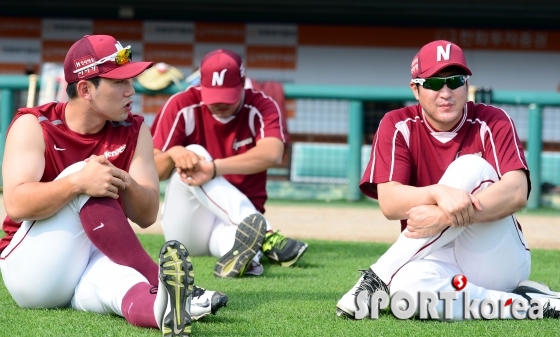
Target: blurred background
{"points": [[341, 65]]}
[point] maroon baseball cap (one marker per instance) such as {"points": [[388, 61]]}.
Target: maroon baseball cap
{"points": [[92, 48], [222, 76], [435, 56]]}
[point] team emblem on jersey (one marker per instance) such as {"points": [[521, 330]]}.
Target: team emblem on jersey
{"points": [[241, 143], [116, 152]]}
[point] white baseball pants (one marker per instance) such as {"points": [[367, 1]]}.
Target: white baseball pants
{"points": [[52, 263], [204, 218], [493, 256]]}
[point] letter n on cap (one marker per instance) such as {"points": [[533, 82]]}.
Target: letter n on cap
{"points": [[443, 53], [218, 78]]}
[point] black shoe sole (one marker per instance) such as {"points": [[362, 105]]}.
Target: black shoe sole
{"points": [[218, 301], [302, 250], [176, 273], [249, 238]]}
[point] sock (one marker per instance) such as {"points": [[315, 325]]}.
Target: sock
{"points": [[138, 306], [108, 229]]}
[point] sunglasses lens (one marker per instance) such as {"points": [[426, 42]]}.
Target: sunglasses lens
{"points": [[436, 83], [123, 56], [455, 82]]}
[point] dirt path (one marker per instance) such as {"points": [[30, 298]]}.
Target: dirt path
{"points": [[339, 223], [368, 224]]}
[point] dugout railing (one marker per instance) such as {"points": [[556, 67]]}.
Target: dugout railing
{"points": [[356, 96]]}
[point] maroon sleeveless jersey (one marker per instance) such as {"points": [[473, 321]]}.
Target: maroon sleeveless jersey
{"points": [[64, 147]]}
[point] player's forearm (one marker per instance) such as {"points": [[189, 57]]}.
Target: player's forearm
{"points": [[242, 164], [258, 159], [396, 199], [164, 164], [38, 200], [502, 198], [140, 204]]}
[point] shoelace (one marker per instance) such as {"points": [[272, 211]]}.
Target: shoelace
{"points": [[198, 291], [550, 311], [371, 283], [274, 240]]}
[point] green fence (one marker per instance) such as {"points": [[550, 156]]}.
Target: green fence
{"points": [[356, 96]]}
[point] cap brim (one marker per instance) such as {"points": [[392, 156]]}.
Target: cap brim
{"points": [[220, 95], [434, 70], [127, 71]]}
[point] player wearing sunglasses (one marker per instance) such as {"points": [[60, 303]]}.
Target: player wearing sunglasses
{"points": [[454, 173]]}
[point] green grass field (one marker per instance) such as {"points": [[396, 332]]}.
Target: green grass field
{"points": [[298, 301]]}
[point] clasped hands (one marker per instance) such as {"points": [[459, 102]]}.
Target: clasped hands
{"points": [[193, 169], [455, 208]]}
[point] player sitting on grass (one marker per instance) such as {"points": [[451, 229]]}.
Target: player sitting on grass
{"points": [[214, 142], [73, 173], [454, 173]]}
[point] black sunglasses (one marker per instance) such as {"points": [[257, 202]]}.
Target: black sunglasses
{"points": [[436, 83]]}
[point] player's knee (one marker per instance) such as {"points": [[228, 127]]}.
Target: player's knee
{"points": [[468, 172], [199, 150]]}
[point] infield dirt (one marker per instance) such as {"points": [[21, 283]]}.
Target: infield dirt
{"points": [[366, 224], [361, 223]]}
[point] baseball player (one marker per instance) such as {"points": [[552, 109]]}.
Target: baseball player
{"points": [[73, 173], [454, 173], [214, 142]]}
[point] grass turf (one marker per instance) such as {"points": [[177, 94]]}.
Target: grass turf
{"points": [[297, 301]]}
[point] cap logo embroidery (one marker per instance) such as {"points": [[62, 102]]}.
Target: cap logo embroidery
{"points": [[87, 63], [414, 66], [443, 53], [218, 78]]}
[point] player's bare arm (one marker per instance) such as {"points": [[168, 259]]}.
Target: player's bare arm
{"points": [[176, 157], [25, 197], [396, 199], [425, 221], [497, 201], [503, 198], [140, 195], [267, 153]]}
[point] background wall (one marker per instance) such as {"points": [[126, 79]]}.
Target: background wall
{"points": [[504, 59]]}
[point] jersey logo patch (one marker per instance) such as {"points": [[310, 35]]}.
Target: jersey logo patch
{"points": [[241, 143], [119, 150], [58, 149]]}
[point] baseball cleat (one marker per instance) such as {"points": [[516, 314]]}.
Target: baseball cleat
{"points": [[282, 250], [369, 282], [249, 238], [177, 276], [254, 268], [549, 299], [206, 302]]}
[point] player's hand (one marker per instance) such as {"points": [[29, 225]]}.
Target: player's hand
{"points": [[185, 160], [457, 205], [425, 221], [201, 176], [99, 178], [120, 174]]}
